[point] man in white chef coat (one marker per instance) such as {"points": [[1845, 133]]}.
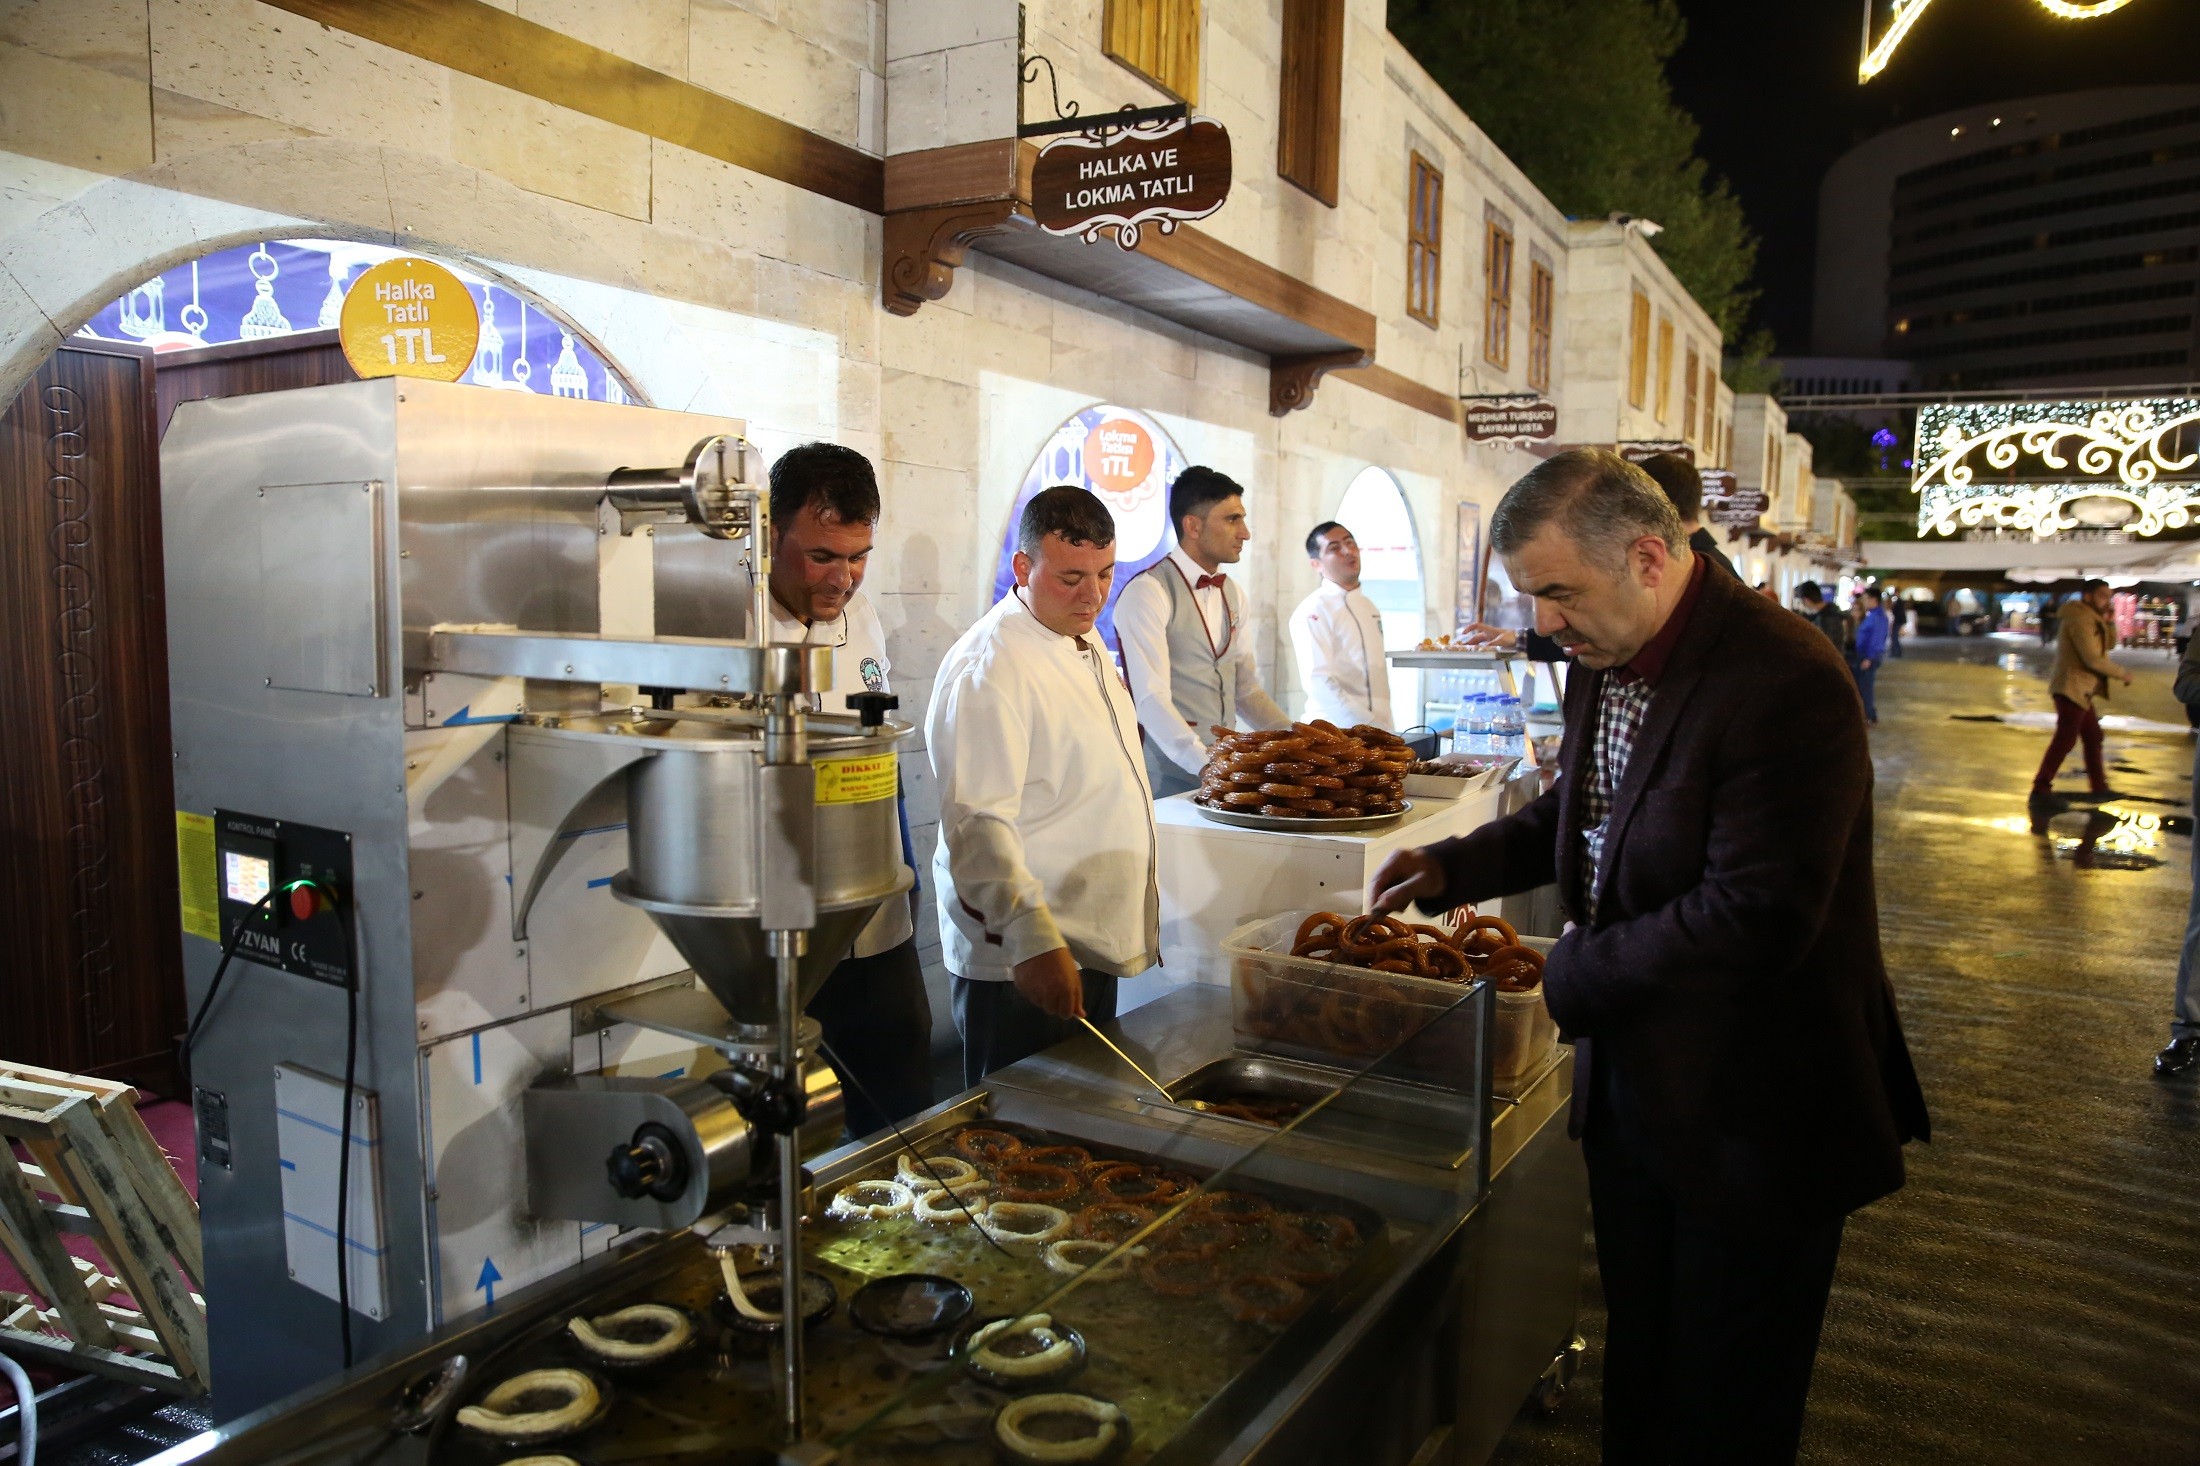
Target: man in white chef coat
{"points": [[1338, 635], [1045, 868], [1185, 644], [877, 1021]]}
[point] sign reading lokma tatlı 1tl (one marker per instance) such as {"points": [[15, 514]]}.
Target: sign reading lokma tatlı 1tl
{"points": [[1124, 178], [409, 318]]}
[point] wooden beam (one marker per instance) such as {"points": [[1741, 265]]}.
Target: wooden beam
{"points": [[482, 41], [963, 174], [1398, 387], [1204, 257]]}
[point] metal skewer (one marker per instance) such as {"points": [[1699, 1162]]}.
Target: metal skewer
{"points": [[1158, 1087]]}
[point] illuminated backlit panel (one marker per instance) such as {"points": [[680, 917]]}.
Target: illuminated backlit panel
{"points": [[2047, 467], [1906, 12]]}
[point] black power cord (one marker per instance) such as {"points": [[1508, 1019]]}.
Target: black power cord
{"points": [[221, 970]]}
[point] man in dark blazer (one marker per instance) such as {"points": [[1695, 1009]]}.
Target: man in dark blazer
{"points": [[1742, 1083]]}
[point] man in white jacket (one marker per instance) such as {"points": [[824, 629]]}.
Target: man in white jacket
{"points": [[1045, 868], [1338, 635], [876, 1018]]}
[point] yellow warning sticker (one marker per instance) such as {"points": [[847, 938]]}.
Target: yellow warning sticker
{"points": [[858, 780], [195, 867]]}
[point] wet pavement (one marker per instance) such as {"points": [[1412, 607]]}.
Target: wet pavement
{"points": [[2033, 1294]]}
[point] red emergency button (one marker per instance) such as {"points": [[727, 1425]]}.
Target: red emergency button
{"points": [[307, 901]]}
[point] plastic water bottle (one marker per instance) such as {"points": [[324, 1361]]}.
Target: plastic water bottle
{"points": [[1476, 716], [1510, 728]]}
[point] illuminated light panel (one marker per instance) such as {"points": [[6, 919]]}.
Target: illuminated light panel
{"points": [[1906, 12], [2040, 458]]}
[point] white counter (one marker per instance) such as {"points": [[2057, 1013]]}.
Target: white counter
{"points": [[1215, 878]]}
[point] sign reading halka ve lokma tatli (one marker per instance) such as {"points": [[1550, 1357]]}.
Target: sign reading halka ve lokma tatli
{"points": [[1124, 178]]}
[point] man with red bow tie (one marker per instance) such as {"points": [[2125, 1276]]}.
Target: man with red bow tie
{"points": [[1186, 648]]}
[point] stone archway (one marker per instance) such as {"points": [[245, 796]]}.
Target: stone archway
{"points": [[90, 247]]}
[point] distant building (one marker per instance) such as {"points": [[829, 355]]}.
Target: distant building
{"points": [[2049, 241]]}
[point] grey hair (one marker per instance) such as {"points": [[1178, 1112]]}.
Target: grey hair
{"points": [[1597, 499]]}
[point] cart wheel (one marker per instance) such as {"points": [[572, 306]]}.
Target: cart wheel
{"points": [[1550, 1390]]}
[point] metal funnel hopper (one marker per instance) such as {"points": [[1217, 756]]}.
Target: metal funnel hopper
{"points": [[728, 951]]}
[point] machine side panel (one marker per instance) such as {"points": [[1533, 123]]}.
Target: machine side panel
{"points": [[320, 758], [474, 1084], [500, 494], [467, 970]]}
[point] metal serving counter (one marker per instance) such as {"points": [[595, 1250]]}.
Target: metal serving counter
{"points": [[1459, 1301]]}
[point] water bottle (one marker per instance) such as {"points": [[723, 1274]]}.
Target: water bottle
{"points": [[1475, 716], [1510, 728]]}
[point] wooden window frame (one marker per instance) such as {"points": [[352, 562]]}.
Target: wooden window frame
{"points": [[1424, 240], [1311, 96], [1690, 383], [1158, 39], [1638, 349], [1542, 322], [1497, 289], [1665, 368]]}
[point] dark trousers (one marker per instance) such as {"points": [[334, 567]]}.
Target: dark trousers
{"points": [[1865, 677], [2073, 724], [999, 1025], [878, 1023], [1710, 1336]]}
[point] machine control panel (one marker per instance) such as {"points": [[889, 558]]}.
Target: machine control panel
{"points": [[285, 894]]}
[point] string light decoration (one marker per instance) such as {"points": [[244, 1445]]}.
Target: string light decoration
{"points": [[1906, 12], [2042, 458]]}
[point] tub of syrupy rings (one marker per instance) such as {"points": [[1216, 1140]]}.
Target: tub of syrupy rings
{"points": [[1325, 1011]]}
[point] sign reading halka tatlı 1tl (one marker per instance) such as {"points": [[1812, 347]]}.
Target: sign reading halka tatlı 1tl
{"points": [[409, 318], [1167, 172]]}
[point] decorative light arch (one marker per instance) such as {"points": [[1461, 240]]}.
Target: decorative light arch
{"points": [[2032, 465], [1906, 12]]}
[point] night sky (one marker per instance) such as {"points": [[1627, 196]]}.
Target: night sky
{"points": [[1773, 83]]}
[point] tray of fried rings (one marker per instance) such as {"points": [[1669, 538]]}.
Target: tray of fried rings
{"points": [[1309, 776]]}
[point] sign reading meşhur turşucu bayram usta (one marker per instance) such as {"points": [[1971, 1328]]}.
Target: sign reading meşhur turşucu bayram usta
{"points": [[1167, 173]]}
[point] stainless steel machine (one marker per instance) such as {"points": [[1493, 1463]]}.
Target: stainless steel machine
{"points": [[508, 905]]}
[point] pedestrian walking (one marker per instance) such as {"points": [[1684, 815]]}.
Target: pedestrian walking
{"points": [[2084, 637], [2183, 1054], [2050, 618], [1730, 1123], [1812, 606], [1874, 632]]}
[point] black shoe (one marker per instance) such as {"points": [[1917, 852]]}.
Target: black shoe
{"points": [[2183, 1054]]}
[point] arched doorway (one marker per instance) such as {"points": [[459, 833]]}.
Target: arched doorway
{"points": [[1125, 458], [1375, 510]]}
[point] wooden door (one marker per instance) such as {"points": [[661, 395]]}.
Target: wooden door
{"points": [[90, 970]]}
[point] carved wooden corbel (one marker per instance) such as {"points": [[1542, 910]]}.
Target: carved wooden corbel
{"points": [[923, 247], [1292, 379]]}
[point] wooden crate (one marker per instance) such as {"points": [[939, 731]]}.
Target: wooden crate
{"points": [[95, 1171]]}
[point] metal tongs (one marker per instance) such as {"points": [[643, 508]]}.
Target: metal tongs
{"points": [[1158, 1087]]}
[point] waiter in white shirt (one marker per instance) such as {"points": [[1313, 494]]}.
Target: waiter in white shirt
{"points": [[1185, 647], [876, 1018], [1338, 635], [1045, 868]]}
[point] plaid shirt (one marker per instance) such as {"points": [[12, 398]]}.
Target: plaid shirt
{"points": [[1622, 705]]}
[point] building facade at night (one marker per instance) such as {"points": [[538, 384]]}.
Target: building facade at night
{"points": [[2048, 240]]}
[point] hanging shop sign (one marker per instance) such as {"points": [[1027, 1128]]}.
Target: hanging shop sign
{"points": [[1164, 173], [409, 317], [1640, 449], [1727, 503], [1511, 420]]}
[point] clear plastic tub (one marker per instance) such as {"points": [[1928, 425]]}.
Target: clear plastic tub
{"points": [[1331, 1013]]}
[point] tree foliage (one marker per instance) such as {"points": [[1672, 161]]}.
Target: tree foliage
{"points": [[1575, 92]]}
